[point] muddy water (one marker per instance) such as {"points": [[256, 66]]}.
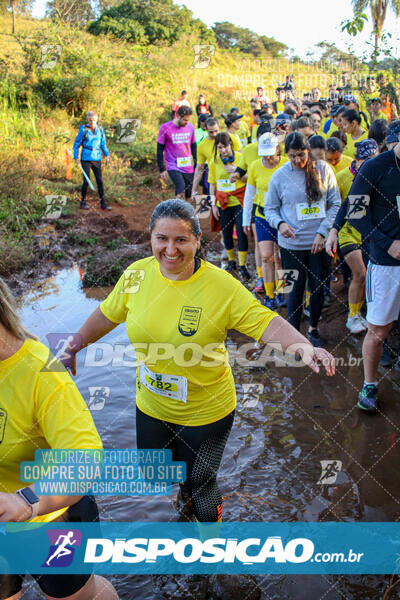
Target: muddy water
{"points": [[271, 466]]}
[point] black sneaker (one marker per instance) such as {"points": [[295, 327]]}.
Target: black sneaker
{"points": [[315, 338], [231, 267], [368, 398], [84, 205], [104, 205], [244, 273]]}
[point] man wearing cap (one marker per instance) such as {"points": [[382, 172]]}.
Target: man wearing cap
{"points": [[244, 131], [279, 105], [259, 174], [377, 185]]}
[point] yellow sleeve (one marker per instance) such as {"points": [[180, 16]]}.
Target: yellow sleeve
{"points": [[114, 306], [211, 172], [242, 164], [247, 315], [236, 143], [201, 157], [251, 175], [62, 414]]}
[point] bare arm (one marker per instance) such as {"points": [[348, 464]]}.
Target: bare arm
{"points": [[94, 328], [197, 177], [294, 343]]}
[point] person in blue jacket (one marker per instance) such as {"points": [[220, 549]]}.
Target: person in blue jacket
{"points": [[93, 141]]}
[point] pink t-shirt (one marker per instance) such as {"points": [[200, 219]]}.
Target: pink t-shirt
{"points": [[177, 141]]}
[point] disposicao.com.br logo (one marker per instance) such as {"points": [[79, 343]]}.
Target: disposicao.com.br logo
{"points": [[62, 547], [213, 550]]}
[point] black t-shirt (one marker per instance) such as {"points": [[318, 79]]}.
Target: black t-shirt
{"points": [[377, 187]]}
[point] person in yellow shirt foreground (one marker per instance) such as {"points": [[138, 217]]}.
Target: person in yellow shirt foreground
{"points": [[177, 315], [40, 408]]}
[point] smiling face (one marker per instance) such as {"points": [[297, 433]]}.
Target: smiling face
{"points": [[174, 246]]}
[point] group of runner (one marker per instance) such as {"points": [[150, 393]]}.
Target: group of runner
{"points": [[281, 175]]}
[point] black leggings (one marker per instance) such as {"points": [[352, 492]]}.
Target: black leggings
{"points": [[95, 165], [312, 266], [201, 447], [233, 215]]}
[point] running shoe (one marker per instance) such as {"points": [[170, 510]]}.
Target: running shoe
{"points": [[280, 300], [368, 398], [104, 205], [231, 266], [363, 320], [244, 273], [259, 286], [270, 303], [355, 324], [84, 205], [315, 338]]}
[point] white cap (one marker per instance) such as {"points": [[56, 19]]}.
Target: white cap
{"points": [[267, 144]]}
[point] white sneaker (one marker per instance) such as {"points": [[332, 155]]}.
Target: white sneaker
{"points": [[363, 320], [355, 324]]}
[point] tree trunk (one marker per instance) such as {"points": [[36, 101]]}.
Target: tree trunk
{"points": [[12, 4]]}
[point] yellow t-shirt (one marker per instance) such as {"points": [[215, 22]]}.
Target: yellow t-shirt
{"points": [[206, 149], [218, 175], [38, 410], [192, 317], [244, 133], [259, 177], [350, 149], [249, 155], [348, 234], [344, 162]]}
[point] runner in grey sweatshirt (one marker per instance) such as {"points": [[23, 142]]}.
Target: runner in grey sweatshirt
{"points": [[302, 201]]}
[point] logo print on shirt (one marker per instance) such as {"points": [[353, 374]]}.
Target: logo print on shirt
{"points": [[189, 320], [3, 421]]}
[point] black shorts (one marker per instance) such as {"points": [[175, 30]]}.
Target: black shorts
{"points": [[183, 182], [347, 248], [58, 586]]}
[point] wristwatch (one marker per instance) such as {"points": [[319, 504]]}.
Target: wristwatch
{"points": [[31, 499]]}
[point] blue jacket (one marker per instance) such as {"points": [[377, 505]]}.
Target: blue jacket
{"points": [[92, 145]]}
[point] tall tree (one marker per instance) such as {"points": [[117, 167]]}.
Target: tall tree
{"points": [[15, 6], [378, 12], [75, 12]]}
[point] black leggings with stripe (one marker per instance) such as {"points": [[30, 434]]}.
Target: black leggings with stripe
{"points": [[201, 447]]}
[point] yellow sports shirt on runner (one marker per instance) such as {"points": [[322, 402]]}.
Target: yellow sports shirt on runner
{"points": [[38, 409], [348, 234], [259, 177], [206, 149], [344, 162], [178, 329], [218, 175], [244, 133], [249, 155], [350, 149]]}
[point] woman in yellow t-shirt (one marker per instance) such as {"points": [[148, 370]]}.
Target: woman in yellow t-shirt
{"points": [[40, 408], [355, 133], [178, 309], [228, 200]]}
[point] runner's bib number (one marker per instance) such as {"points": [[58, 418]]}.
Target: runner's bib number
{"points": [[171, 386], [184, 161], [305, 212], [224, 185]]}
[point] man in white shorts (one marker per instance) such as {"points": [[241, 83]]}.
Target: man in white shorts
{"points": [[377, 188]]}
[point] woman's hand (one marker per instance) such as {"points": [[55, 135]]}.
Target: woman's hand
{"points": [[215, 212], [331, 242], [233, 177], [286, 230], [318, 244], [317, 357], [13, 508]]}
